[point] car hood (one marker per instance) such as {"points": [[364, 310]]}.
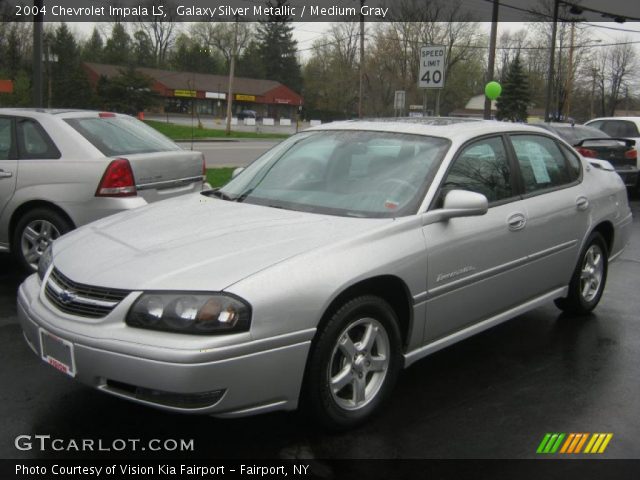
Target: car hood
{"points": [[195, 242]]}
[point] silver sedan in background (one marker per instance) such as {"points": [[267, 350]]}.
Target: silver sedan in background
{"points": [[60, 169], [340, 256]]}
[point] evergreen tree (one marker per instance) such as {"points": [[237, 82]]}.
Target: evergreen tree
{"points": [[118, 48], [142, 50], [92, 49], [128, 92], [513, 103], [189, 55], [70, 87], [277, 49]]}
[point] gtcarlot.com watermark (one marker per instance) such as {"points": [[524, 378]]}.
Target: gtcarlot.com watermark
{"points": [[46, 443]]}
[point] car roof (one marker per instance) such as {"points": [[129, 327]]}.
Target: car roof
{"points": [[51, 112], [633, 119], [454, 128]]}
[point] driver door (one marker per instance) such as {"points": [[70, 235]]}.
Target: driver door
{"points": [[8, 161], [475, 263]]}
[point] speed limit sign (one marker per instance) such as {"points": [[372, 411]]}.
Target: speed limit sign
{"points": [[432, 66]]}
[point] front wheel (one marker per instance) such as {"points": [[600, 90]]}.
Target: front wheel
{"points": [[34, 232], [589, 278], [354, 363]]}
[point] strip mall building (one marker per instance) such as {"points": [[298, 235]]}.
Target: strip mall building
{"points": [[208, 93]]}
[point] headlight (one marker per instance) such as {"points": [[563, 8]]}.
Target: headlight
{"points": [[45, 261], [192, 313]]}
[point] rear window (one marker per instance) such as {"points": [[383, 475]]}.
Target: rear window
{"points": [[575, 134], [115, 136], [620, 128]]}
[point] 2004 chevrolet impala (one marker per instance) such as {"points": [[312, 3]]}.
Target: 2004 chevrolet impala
{"points": [[341, 255]]}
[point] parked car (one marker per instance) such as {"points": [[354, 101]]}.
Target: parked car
{"points": [[247, 114], [624, 127], [342, 255], [60, 169], [593, 143]]}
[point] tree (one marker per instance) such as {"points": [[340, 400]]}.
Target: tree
{"points": [[141, 50], [128, 92], [70, 87], [160, 31], [277, 49], [514, 101], [189, 55], [93, 48], [117, 51]]}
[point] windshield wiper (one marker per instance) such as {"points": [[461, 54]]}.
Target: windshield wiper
{"points": [[243, 196], [216, 192]]}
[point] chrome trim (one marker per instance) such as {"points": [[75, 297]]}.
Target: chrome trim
{"points": [[441, 343], [57, 289], [169, 183]]}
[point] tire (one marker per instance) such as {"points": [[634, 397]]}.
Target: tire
{"points": [[34, 232], [589, 278], [363, 372]]}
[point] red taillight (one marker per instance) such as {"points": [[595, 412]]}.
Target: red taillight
{"points": [[586, 152], [106, 115], [117, 180], [631, 154]]}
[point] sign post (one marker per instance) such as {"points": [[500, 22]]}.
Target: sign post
{"points": [[432, 69]]}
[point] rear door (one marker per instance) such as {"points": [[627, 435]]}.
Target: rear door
{"points": [[161, 169], [556, 206], [8, 165]]}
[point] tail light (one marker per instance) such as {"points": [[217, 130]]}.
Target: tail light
{"points": [[117, 180], [631, 154], [586, 152]]}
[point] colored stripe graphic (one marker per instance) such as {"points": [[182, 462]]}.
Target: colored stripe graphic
{"points": [[573, 443]]}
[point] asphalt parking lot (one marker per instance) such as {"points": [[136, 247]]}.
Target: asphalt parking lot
{"points": [[492, 396]]}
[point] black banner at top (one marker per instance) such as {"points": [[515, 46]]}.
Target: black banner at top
{"points": [[315, 10]]}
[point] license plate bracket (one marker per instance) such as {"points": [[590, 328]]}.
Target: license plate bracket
{"points": [[57, 352]]}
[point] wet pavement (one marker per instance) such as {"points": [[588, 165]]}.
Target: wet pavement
{"points": [[492, 396]]}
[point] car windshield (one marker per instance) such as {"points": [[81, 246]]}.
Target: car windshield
{"points": [[348, 173], [115, 135]]}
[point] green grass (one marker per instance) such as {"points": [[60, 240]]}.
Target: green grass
{"points": [[219, 176], [185, 132]]}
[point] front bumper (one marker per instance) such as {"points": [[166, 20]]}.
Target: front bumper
{"points": [[251, 377]]}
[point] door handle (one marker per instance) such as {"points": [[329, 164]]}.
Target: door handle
{"points": [[4, 174], [516, 221], [582, 203]]}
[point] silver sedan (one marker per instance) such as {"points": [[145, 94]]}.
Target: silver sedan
{"points": [[60, 169], [342, 255]]}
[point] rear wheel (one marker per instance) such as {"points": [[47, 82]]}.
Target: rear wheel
{"points": [[589, 278], [34, 232], [354, 363]]}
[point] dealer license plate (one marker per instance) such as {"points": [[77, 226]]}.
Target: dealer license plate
{"points": [[57, 352]]}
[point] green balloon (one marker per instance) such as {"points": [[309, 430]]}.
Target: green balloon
{"points": [[492, 90]]}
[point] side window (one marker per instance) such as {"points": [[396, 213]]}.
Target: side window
{"points": [[6, 139], [573, 161], [481, 167], [33, 142], [541, 162], [620, 128]]}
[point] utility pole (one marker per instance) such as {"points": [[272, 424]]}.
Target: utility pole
{"points": [[232, 67], [38, 101], [552, 59], [594, 72], [492, 56], [361, 72], [569, 87]]}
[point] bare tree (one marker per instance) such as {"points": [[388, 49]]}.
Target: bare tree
{"points": [[219, 36], [160, 30]]}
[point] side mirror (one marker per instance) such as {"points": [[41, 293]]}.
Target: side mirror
{"points": [[458, 203], [236, 172]]}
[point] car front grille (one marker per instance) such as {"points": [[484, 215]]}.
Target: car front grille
{"points": [[81, 300]]}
